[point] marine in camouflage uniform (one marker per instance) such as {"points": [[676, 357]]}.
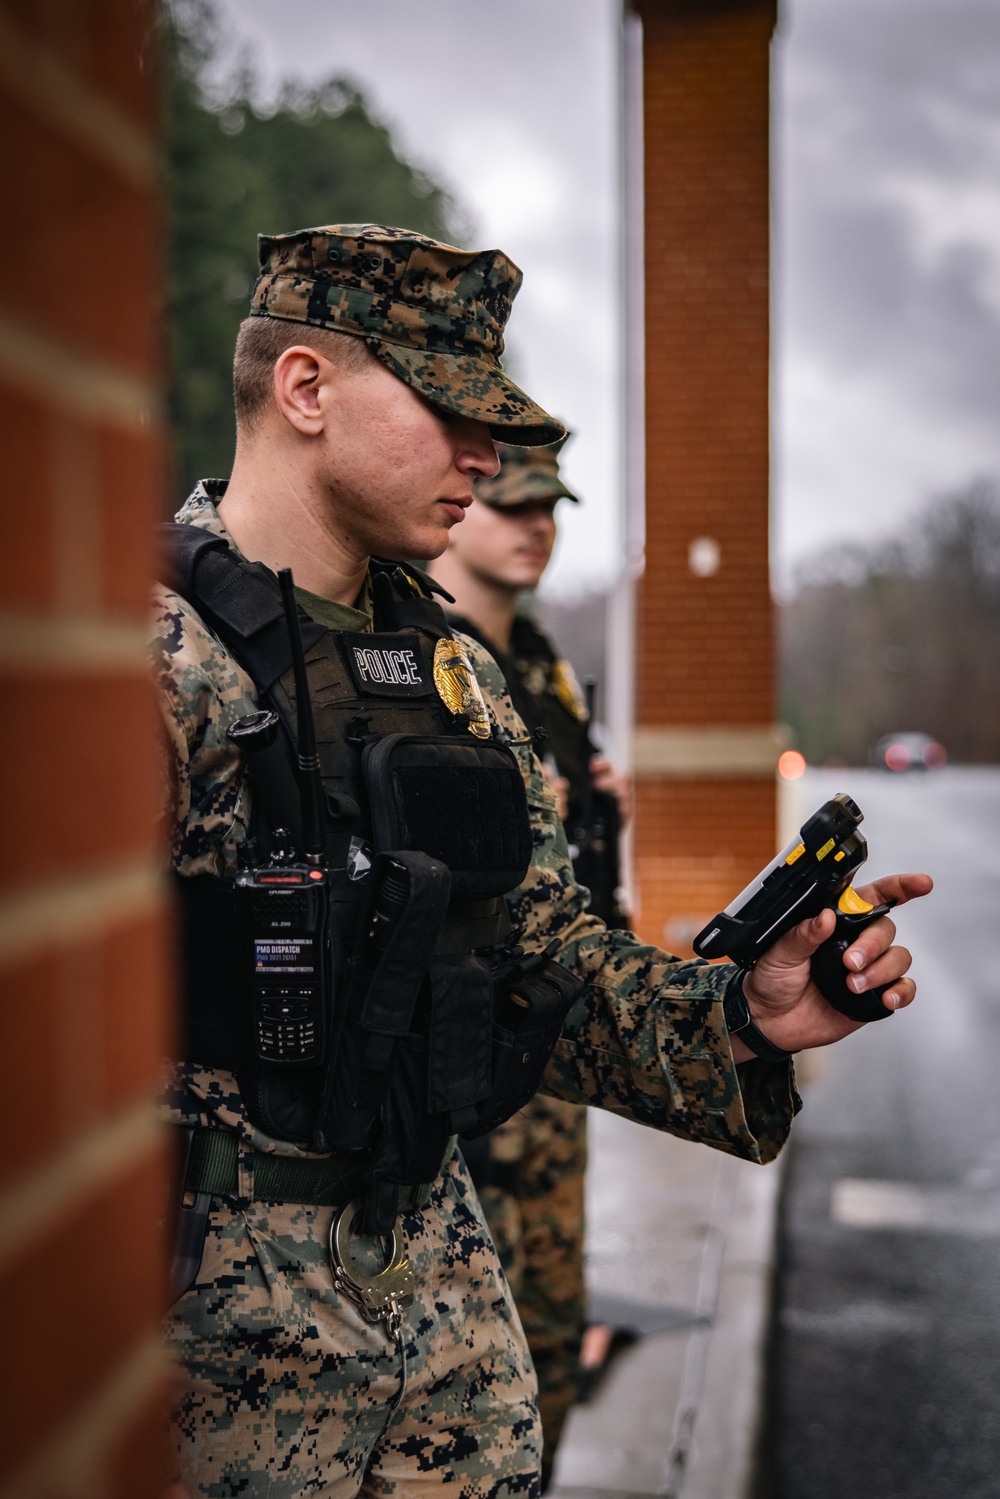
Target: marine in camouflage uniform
{"points": [[542, 683], [286, 1390], [530, 1173]]}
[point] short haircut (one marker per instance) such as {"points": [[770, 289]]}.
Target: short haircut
{"points": [[261, 342]]}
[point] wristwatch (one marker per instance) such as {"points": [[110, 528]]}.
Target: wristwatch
{"points": [[738, 1022]]}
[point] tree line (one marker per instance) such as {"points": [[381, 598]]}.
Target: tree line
{"points": [[241, 160], [900, 636]]}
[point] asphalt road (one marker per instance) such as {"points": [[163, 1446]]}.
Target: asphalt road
{"points": [[886, 1358]]}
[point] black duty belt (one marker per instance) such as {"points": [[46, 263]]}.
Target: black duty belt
{"points": [[330, 1181]]}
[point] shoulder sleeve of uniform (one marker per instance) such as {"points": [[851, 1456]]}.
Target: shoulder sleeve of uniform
{"points": [[201, 691], [647, 1038], [196, 676]]}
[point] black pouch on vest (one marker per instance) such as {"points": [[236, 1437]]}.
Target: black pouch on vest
{"points": [[212, 962], [461, 801], [441, 1078], [481, 1060], [397, 933], [442, 1073], [533, 997]]}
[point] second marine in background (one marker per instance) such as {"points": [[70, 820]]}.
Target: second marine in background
{"points": [[497, 555], [530, 1172]]}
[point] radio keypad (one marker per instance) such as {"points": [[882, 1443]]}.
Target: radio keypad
{"points": [[286, 1028]]}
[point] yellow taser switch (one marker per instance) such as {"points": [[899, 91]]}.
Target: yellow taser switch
{"points": [[851, 904]]}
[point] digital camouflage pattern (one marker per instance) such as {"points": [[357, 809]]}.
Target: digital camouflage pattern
{"points": [[646, 1039], [537, 1221], [526, 474], [552, 1296], [500, 1197], [432, 314], [289, 1391]]}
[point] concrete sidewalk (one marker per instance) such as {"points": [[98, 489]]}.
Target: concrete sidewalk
{"points": [[681, 1243]]}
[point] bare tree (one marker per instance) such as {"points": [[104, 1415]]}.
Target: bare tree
{"points": [[905, 636]]}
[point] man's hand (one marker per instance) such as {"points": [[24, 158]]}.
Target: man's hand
{"points": [[784, 1002], [606, 778]]}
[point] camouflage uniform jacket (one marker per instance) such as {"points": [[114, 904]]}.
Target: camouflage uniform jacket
{"points": [[646, 1038]]}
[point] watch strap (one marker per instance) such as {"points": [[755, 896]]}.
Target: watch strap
{"points": [[739, 1022]]}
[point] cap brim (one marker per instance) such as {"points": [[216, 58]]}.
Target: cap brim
{"points": [[472, 387], [506, 491]]}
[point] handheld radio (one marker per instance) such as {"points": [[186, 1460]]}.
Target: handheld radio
{"points": [[284, 901], [813, 872]]}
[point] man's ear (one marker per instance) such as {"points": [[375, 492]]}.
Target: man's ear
{"points": [[298, 374]]}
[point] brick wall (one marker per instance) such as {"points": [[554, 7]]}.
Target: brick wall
{"points": [[82, 945], [705, 744]]}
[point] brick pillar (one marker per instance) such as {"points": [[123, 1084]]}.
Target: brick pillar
{"points": [[81, 907], [705, 746]]}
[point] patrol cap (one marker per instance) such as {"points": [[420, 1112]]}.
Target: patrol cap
{"points": [[432, 314], [525, 474]]}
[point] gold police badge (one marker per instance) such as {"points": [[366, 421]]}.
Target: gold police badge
{"points": [[568, 690], [457, 686]]}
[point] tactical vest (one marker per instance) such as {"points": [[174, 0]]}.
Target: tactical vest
{"points": [[448, 1029]]}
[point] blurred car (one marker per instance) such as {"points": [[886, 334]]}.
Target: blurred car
{"points": [[909, 751]]}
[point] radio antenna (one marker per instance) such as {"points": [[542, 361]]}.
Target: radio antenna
{"points": [[310, 780]]}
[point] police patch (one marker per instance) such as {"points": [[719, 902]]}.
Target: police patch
{"points": [[388, 665], [568, 690]]}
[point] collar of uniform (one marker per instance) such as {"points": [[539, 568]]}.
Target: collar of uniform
{"points": [[336, 616], [200, 509]]}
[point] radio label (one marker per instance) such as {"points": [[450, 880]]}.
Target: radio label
{"points": [[283, 955]]}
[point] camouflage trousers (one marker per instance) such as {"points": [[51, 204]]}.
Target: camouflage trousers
{"points": [[287, 1392], [537, 1222]]}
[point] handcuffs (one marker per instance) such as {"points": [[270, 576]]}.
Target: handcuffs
{"points": [[384, 1296]]}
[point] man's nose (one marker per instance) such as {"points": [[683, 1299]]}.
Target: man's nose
{"points": [[477, 454]]}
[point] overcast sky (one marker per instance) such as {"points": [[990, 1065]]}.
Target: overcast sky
{"points": [[887, 213], [887, 260]]}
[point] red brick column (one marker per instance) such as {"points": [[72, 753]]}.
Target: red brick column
{"points": [[705, 747], [82, 946]]}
